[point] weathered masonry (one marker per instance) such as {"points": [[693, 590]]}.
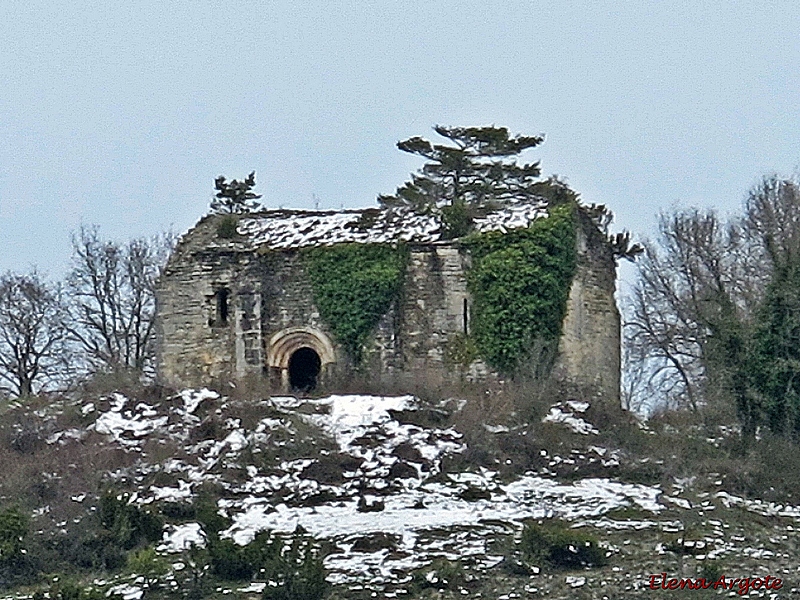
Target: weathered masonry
{"points": [[236, 306]]}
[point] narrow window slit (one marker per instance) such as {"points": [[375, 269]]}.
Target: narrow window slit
{"points": [[222, 306], [466, 317]]}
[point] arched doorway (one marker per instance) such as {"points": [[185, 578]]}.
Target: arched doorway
{"points": [[304, 368], [300, 358]]}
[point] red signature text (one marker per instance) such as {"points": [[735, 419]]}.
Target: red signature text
{"points": [[742, 585]]}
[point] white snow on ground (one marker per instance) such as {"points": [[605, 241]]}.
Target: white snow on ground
{"points": [[193, 398], [352, 417], [767, 509], [124, 425], [530, 497], [394, 468], [182, 492], [428, 518], [578, 406], [348, 417], [181, 537], [558, 414], [126, 591]]}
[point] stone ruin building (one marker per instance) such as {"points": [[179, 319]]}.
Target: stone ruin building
{"points": [[241, 306]]}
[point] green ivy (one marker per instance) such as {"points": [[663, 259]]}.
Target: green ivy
{"points": [[520, 282], [354, 285]]}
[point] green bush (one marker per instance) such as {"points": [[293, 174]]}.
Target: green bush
{"points": [[561, 547], [147, 563], [95, 551], [711, 570], [298, 573], [354, 285], [231, 562], [178, 511], [460, 350], [15, 565], [226, 228], [129, 524], [72, 591], [520, 282], [13, 531], [207, 514], [457, 220]]}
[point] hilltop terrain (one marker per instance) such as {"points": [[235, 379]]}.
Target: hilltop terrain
{"points": [[399, 497]]}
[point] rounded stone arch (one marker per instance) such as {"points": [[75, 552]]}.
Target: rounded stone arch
{"points": [[283, 345]]}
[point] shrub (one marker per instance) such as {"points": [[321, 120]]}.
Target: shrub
{"points": [[298, 573], [561, 547], [27, 438], [711, 570], [229, 561], [460, 350], [232, 562], [226, 228], [13, 531], [207, 514], [457, 220], [71, 591], [99, 550], [147, 563], [129, 524], [15, 566], [178, 511]]}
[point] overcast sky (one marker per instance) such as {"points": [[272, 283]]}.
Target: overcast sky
{"points": [[121, 114]]}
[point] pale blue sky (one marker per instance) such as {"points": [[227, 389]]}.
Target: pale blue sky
{"points": [[122, 114]]}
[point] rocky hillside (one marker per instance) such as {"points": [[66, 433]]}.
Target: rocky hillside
{"points": [[199, 495]]}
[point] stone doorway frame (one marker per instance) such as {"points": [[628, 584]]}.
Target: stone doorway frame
{"points": [[286, 342]]}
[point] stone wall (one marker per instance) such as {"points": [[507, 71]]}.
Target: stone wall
{"points": [[411, 341], [271, 312], [589, 349], [194, 345]]}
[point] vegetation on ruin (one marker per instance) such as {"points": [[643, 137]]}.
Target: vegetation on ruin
{"points": [[520, 282], [235, 197], [226, 227], [475, 172], [354, 285]]}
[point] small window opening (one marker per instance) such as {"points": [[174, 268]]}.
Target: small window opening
{"points": [[304, 368], [465, 314], [222, 307]]}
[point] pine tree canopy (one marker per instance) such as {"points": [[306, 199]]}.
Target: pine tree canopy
{"points": [[477, 171], [235, 196]]}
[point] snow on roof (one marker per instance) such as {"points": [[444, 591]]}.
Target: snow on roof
{"points": [[278, 229]]}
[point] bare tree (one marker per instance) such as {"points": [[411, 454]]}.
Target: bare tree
{"points": [[112, 298], [772, 219], [690, 285], [32, 334], [703, 294]]}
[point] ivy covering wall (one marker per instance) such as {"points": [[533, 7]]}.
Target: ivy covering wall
{"points": [[520, 282], [354, 286]]}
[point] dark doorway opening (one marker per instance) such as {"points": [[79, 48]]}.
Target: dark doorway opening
{"points": [[304, 367]]}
